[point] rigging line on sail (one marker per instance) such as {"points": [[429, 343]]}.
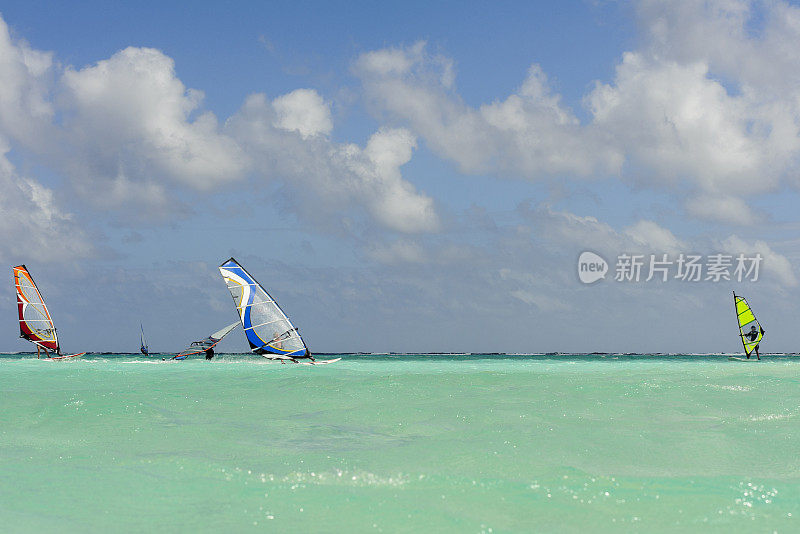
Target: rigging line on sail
{"points": [[264, 324], [265, 301]]}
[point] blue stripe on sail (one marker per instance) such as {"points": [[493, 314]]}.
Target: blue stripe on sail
{"points": [[252, 337]]}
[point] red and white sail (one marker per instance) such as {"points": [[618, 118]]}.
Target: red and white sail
{"points": [[35, 323]]}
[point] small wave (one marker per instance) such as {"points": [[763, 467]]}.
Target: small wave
{"points": [[729, 388], [335, 477], [770, 417], [340, 477]]}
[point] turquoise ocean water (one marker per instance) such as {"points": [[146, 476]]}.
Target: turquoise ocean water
{"points": [[401, 443]]}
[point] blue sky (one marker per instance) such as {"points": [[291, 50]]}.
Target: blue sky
{"points": [[402, 177]]}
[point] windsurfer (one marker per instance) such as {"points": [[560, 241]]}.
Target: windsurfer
{"points": [[209, 353], [752, 335], [276, 340]]}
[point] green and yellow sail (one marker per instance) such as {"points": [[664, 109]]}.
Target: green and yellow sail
{"points": [[750, 330]]}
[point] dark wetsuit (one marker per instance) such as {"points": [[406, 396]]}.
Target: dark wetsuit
{"points": [[209, 354]]}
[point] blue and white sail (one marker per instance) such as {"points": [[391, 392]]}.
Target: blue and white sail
{"points": [[268, 330]]}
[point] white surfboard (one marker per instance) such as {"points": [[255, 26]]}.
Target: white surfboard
{"points": [[320, 362]]}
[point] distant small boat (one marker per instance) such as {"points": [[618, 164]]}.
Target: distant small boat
{"points": [[144, 349], [206, 345], [268, 330], [750, 331], [35, 323]]}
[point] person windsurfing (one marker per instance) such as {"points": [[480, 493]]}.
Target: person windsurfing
{"points": [[750, 331], [752, 335], [143, 348], [277, 340], [209, 353]]}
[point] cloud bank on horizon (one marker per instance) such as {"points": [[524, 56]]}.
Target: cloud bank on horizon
{"points": [[702, 119]]}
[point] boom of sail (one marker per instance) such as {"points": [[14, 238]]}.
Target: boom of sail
{"points": [[35, 323], [750, 330], [203, 345], [268, 330]]}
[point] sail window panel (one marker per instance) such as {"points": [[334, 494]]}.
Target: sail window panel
{"points": [[236, 292], [33, 314], [263, 310], [293, 343], [30, 294], [268, 331]]}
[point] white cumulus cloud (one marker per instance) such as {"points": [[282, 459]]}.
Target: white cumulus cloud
{"points": [[130, 115], [654, 237], [328, 179], [26, 111], [773, 263], [530, 133], [127, 133], [303, 111], [707, 109], [709, 103], [34, 226]]}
